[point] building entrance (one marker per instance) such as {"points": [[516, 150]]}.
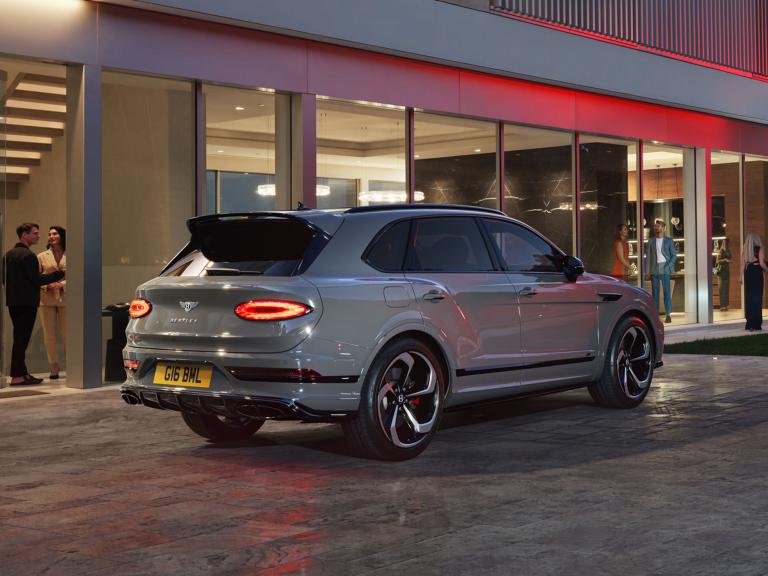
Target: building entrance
{"points": [[33, 189]]}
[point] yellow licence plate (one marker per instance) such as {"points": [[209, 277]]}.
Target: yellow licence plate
{"points": [[195, 376]]}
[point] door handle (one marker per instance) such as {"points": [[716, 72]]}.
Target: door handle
{"points": [[433, 296], [528, 291]]}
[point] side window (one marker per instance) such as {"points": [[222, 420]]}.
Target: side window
{"points": [[522, 250], [387, 251], [447, 245]]}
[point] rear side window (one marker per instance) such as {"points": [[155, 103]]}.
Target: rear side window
{"points": [[387, 251], [447, 245], [269, 246], [521, 250]]}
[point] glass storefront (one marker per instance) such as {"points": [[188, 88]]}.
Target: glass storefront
{"points": [[148, 178], [756, 202], [726, 236], [609, 232], [239, 150], [455, 161], [33, 188], [360, 154], [538, 181]]}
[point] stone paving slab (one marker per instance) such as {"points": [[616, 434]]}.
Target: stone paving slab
{"points": [[551, 485]]}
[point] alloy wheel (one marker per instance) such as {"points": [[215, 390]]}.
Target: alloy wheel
{"points": [[633, 362], [408, 399]]}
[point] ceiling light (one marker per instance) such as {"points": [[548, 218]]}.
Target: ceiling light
{"points": [[416, 156], [220, 151], [239, 108], [478, 150], [269, 190], [265, 189]]}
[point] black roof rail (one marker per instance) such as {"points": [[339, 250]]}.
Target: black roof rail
{"points": [[384, 207]]}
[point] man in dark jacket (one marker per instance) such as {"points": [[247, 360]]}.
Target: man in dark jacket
{"points": [[22, 296]]}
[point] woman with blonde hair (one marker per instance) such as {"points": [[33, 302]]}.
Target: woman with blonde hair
{"points": [[52, 310], [754, 266]]}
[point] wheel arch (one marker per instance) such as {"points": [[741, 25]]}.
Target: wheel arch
{"points": [[434, 345], [645, 318]]}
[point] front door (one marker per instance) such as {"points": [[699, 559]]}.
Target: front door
{"points": [[558, 318]]}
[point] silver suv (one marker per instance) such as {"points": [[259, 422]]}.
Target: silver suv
{"points": [[380, 318]]}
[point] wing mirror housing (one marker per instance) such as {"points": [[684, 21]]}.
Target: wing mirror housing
{"points": [[572, 268]]}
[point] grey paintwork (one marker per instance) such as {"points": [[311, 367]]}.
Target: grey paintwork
{"points": [[489, 326]]}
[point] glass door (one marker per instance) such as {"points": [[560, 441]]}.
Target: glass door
{"points": [[669, 231]]}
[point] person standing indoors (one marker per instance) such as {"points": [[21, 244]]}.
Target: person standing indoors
{"points": [[621, 266], [52, 310], [660, 257], [754, 266], [723, 264], [22, 296]]}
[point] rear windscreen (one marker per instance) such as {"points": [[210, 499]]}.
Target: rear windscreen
{"points": [[258, 246]]}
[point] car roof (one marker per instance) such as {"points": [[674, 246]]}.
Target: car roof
{"points": [[329, 220]]}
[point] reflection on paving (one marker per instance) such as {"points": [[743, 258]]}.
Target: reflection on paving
{"points": [[543, 486]]}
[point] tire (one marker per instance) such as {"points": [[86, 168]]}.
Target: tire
{"points": [[628, 368], [220, 428], [401, 402]]}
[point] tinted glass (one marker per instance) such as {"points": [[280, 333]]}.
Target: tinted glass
{"points": [[447, 245], [262, 246], [521, 249], [388, 250]]}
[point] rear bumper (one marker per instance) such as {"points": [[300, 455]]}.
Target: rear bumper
{"points": [[323, 383], [231, 405]]}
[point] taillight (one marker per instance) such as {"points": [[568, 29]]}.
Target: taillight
{"points": [[131, 364], [139, 308], [271, 310]]}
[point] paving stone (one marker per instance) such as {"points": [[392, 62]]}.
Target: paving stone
{"points": [[549, 485]]}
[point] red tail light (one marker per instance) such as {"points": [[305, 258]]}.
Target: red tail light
{"points": [[131, 364], [271, 310], [139, 308]]}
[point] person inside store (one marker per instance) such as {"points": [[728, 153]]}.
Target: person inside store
{"points": [[621, 265], [660, 255], [754, 266], [22, 296], [52, 311], [723, 267]]}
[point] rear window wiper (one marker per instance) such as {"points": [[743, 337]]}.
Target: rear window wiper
{"points": [[232, 272]]}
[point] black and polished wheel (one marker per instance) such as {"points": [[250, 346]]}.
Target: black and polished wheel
{"points": [[628, 368], [222, 428], [401, 402]]}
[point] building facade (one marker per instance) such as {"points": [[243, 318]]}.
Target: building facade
{"points": [[122, 119]]}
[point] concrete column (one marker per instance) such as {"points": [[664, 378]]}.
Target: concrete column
{"points": [[84, 236], [283, 197], [702, 273], [200, 152], [303, 150]]}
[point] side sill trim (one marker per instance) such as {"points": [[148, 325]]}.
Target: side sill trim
{"points": [[476, 371]]}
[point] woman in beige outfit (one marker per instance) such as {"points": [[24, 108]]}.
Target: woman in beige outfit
{"points": [[52, 303]]}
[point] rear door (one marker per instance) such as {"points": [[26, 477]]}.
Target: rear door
{"points": [[468, 300], [558, 317]]}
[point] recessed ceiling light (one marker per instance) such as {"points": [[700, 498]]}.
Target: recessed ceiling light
{"points": [[416, 156], [239, 108], [478, 150], [220, 151], [261, 105]]}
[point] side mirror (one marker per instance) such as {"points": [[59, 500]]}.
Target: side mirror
{"points": [[572, 268]]}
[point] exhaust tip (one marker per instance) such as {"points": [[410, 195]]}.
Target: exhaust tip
{"points": [[131, 399]]}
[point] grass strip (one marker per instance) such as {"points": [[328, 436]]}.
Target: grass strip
{"points": [[752, 345]]}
